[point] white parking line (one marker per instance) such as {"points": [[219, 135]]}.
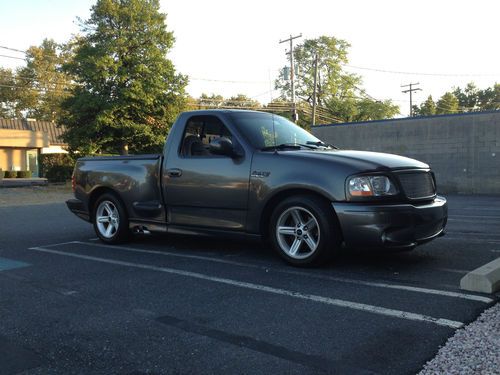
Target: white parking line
{"points": [[62, 243], [475, 216], [468, 221], [471, 234], [451, 237], [476, 209], [263, 288], [461, 295], [453, 270], [467, 296]]}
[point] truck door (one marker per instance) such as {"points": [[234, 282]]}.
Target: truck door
{"points": [[202, 189]]}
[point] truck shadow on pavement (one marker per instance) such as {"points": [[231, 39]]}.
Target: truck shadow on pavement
{"points": [[261, 253]]}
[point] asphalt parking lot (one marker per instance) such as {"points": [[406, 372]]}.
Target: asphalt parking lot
{"points": [[172, 304]]}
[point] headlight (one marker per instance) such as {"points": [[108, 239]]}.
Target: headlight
{"points": [[371, 186]]}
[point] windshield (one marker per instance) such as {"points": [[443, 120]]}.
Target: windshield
{"points": [[257, 128]]}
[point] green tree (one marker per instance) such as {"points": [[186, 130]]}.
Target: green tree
{"points": [[448, 103], [427, 108], [241, 101], [489, 99], [128, 93], [9, 96], [338, 94], [17, 95], [209, 101], [368, 109], [44, 84], [471, 98], [214, 101], [468, 98]]}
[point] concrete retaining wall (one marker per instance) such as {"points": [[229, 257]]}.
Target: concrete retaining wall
{"points": [[463, 149]]}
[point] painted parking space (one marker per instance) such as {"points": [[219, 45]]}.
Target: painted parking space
{"points": [[217, 291], [184, 304], [278, 281], [10, 264]]}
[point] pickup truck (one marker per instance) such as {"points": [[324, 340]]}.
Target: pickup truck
{"points": [[256, 174]]}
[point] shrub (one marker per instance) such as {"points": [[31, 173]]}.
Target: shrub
{"points": [[10, 174], [59, 173], [56, 167], [23, 174], [2, 173]]}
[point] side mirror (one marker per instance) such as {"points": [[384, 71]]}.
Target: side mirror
{"points": [[221, 146]]}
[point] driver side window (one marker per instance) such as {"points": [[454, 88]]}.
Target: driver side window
{"points": [[199, 132]]}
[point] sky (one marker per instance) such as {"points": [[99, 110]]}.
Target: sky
{"points": [[231, 47]]}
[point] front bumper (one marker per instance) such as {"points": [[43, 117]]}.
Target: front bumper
{"points": [[78, 208], [391, 226]]}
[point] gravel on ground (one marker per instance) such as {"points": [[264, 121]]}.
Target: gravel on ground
{"points": [[474, 349], [25, 196]]}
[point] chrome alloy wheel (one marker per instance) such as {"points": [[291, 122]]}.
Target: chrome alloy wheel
{"points": [[297, 232], [107, 219]]}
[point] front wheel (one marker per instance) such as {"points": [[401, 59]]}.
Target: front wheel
{"points": [[304, 230], [110, 220]]}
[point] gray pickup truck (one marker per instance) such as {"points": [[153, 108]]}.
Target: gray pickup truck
{"points": [[229, 172]]}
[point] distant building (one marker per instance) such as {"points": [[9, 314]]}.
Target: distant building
{"points": [[22, 141]]}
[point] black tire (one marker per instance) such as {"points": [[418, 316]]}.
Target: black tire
{"points": [[319, 225], [110, 220]]}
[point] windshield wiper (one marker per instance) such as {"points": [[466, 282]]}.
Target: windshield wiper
{"points": [[284, 146], [322, 144]]}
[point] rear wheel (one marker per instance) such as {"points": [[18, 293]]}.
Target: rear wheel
{"points": [[304, 230], [110, 220]]}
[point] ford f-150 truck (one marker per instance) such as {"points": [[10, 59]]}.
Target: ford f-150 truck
{"points": [[258, 174]]}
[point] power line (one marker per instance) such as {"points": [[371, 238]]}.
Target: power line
{"points": [[422, 73], [225, 81], [263, 93], [13, 57], [33, 88], [13, 49], [379, 70], [32, 80], [320, 115]]}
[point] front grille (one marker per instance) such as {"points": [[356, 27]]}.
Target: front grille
{"points": [[417, 185]]}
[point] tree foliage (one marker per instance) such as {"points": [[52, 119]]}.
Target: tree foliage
{"points": [[37, 89], [469, 99], [338, 93], [448, 103], [241, 101], [215, 101], [46, 83], [9, 102], [427, 108], [472, 98], [127, 93]]}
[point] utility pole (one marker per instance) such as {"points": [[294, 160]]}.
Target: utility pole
{"points": [[410, 90], [314, 90], [295, 117]]}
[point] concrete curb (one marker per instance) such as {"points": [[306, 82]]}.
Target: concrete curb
{"points": [[20, 182], [485, 279]]}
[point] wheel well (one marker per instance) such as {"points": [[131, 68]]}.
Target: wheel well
{"points": [[265, 216], [94, 196]]}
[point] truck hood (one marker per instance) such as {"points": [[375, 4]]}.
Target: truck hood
{"points": [[363, 160]]}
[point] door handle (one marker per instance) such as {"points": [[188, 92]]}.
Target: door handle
{"points": [[174, 172]]}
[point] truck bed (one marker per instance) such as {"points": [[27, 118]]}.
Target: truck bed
{"points": [[135, 178]]}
